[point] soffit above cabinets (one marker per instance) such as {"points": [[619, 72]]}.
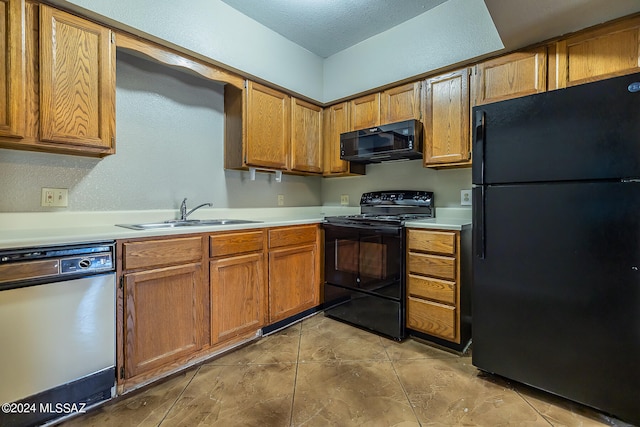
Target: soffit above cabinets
{"points": [[326, 27]]}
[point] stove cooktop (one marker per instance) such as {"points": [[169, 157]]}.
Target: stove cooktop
{"points": [[390, 207]]}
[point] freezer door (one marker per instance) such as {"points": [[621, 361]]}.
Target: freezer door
{"points": [[556, 294], [585, 132]]}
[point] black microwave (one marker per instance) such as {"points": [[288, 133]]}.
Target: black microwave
{"points": [[395, 141]]}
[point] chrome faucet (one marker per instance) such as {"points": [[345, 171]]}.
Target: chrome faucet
{"points": [[183, 209]]}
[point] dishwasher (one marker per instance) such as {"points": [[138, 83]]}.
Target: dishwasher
{"points": [[57, 331]]}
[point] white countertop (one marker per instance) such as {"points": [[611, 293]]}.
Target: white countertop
{"points": [[56, 228]]}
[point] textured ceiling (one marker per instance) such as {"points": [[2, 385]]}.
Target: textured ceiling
{"points": [[325, 27]]}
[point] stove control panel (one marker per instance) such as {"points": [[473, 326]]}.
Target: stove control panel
{"points": [[406, 198]]}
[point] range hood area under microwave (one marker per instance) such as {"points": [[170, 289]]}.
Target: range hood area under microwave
{"points": [[395, 141]]}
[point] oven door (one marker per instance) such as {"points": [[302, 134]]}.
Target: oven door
{"points": [[364, 271], [368, 258]]}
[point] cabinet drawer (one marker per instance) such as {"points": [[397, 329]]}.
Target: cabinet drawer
{"points": [[432, 265], [235, 243], [441, 242], [292, 236], [430, 288], [153, 253], [432, 318]]}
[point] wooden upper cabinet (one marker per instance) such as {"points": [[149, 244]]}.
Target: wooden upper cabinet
{"points": [[511, 76], [400, 103], [336, 121], [446, 119], [77, 81], [306, 136], [609, 51], [268, 127], [365, 111], [12, 63]]}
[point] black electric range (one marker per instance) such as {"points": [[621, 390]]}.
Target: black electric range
{"points": [[365, 260]]}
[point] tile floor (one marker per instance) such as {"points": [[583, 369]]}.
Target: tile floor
{"points": [[324, 373]]}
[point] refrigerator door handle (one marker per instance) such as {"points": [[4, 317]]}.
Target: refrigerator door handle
{"points": [[479, 233], [478, 147]]}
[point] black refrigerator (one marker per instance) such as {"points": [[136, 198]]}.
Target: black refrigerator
{"points": [[556, 241]]}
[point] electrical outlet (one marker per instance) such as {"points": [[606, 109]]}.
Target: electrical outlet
{"points": [[55, 197], [344, 200], [280, 199], [465, 197]]}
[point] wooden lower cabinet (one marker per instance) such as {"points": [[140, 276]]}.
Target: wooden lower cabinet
{"points": [[162, 306], [164, 317], [438, 300], [173, 311], [238, 289], [294, 271]]}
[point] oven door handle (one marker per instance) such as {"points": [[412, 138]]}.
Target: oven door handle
{"points": [[369, 228]]}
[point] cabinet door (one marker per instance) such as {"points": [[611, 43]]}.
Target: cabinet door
{"points": [[511, 76], [336, 121], [400, 103], [237, 296], [365, 112], [77, 81], [306, 137], [339, 119], [596, 55], [446, 119], [293, 281], [268, 127], [164, 316], [12, 63]]}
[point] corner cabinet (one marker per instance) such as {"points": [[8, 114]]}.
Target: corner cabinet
{"points": [[438, 281], [238, 284], [335, 122], [68, 98], [511, 76], [608, 51], [294, 270], [447, 140], [163, 315]]}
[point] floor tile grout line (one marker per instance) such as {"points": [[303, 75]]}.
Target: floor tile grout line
{"points": [[404, 390], [532, 407], [295, 378], [179, 396]]}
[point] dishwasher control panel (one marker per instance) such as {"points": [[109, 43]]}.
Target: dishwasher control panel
{"points": [[92, 263]]}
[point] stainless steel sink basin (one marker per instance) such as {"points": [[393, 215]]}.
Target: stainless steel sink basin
{"points": [[186, 223]]}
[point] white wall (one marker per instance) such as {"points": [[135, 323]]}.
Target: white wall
{"points": [[408, 175], [452, 32], [169, 128]]}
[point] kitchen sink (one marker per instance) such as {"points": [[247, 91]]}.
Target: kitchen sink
{"points": [[186, 223]]}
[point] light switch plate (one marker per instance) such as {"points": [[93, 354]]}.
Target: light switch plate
{"points": [[465, 197]]}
